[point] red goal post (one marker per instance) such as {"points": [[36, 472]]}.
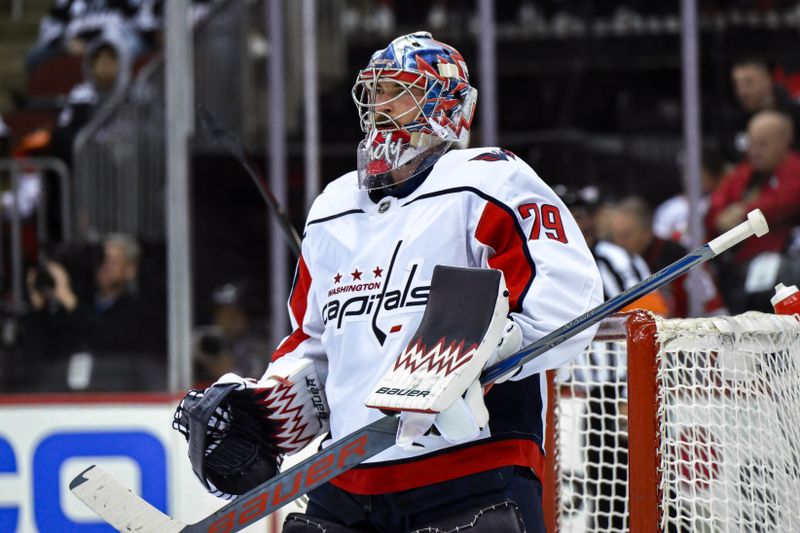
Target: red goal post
{"points": [[677, 425]]}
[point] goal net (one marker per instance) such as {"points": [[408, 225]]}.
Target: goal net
{"points": [[678, 425]]}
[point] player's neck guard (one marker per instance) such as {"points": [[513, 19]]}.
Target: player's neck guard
{"points": [[404, 189]]}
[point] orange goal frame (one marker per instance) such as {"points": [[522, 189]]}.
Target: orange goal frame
{"points": [[644, 432]]}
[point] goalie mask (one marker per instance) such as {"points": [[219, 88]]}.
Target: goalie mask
{"points": [[414, 100]]}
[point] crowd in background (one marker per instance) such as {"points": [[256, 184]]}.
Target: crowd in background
{"points": [[94, 316], [72, 26], [752, 163], [97, 310]]}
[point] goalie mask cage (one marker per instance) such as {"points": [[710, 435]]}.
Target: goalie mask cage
{"points": [[678, 425]]}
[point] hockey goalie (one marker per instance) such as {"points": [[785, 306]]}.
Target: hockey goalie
{"points": [[418, 270]]}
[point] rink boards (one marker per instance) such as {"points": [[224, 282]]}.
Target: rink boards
{"points": [[46, 441]]}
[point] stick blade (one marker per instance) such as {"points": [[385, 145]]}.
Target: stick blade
{"points": [[118, 505]]}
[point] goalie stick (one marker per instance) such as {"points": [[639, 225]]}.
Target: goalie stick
{"points": [[126, 511], [227, 139]]}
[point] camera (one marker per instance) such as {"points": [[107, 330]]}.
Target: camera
{"points": [[43, 281], [211, 345]]}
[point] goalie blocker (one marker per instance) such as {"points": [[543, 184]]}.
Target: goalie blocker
{"points": [[459, 331], [434, 380]]}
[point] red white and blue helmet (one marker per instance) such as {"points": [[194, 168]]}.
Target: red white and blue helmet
{"points": [[444, 105]]}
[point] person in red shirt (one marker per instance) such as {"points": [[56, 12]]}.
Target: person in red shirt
{"points": [[769, 180]]}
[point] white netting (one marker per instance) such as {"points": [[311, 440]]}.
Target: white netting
{"points": [[730, 396], [729, 421], [592, 440]]}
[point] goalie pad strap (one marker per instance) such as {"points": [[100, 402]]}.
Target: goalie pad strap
{"points": [[302, 523], [504, 516]]}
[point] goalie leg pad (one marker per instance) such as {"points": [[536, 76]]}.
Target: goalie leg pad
{"points": [[504, 516], [302, 523]]}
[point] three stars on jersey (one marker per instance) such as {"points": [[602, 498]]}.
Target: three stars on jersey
{"points": [[377, 272], [371, 296]]}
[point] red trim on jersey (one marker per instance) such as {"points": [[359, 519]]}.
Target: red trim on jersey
{"points": [[497, 229], [298, 304], [442, 467]]}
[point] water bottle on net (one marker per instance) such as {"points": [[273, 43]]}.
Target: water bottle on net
{"points": [[786, 300]]}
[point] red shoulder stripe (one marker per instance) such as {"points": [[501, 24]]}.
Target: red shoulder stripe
{"points": [[497, 229], [298, 303]]}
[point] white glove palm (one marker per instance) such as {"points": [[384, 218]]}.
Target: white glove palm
{"points": [[510, 343]]}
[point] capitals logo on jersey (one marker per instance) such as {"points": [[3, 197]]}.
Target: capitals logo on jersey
{"points": [[363, 299]]}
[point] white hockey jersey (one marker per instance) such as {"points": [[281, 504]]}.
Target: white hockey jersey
{"points": [[362, 283]]}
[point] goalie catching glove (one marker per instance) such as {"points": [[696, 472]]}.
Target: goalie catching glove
{"points": [[435, 380], [239, 428]]}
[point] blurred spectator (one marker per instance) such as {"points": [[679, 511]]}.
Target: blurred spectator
{"points": [[755, 91], [21, 202], [35, 185], [28, 193], [5, 138], [437, 15], [72, 25], [107, 71], [382, 19], [619, 268], [671, 217], [111, 329], [232, 343], [631, 227], [769, 180], [26, 199], [149, 19]]}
